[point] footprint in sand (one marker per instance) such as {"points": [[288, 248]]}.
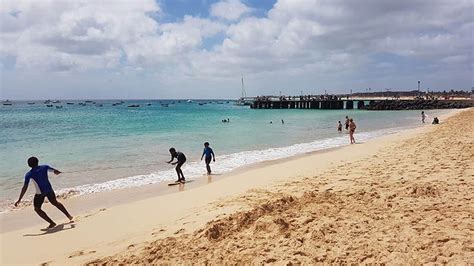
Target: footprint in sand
{"points": [[92, 214], [80, 253], [159, 231], [179, 231]]}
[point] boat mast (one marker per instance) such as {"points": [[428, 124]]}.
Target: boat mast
{"points": [[244, 94]]}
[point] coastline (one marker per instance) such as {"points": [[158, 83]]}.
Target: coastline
{"points": [[81, 204], [151, 215], [136, 161]]}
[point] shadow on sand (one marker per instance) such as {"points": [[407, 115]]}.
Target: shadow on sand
{"points": [[58, 228]]}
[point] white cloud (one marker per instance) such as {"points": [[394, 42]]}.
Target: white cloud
{"points": [[324, 42], [71, 35], [229, 9]]}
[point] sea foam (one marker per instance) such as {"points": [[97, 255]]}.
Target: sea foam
{"points": [[225, 163]]}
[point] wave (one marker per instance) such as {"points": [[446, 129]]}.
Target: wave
{"points": [[224, 164]]}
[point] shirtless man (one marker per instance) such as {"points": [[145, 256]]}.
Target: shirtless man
{"points": [[181, 160]]}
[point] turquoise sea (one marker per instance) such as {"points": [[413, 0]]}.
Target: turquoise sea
{"points": [[102, 147]]}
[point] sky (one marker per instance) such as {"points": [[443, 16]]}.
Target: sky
{"points": [[161, 49]]}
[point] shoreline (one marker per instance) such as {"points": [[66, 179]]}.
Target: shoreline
{"points": [[133, 224], [20, 218], [146, 165]]}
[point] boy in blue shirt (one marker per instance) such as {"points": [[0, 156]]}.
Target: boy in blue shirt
{"points": [[209, 155], [39, 175]]}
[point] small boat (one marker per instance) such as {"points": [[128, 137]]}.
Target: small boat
{"points": [[202, 103], [47, 102], [99, 105], [70, 103], [164, 105], [189, 101], [88, 101], [56, 101], [7, 102], [59, 106], [49, 105], [134, 105], [148, 104]]}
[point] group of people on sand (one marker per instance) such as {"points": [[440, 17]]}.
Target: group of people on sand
{"points": [[38, 175], [350, 126]]}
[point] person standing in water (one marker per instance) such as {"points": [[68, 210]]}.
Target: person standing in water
{"points": [[181, 160], [39, 175], [423, 117], [352, 128], [209, 153], [347, 122], [339, 127]]}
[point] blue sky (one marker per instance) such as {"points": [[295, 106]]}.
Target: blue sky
{"points": [[177, 9], [199, 49]]}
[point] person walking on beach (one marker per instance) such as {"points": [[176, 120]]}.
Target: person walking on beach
{"points": [[352, 128], [39, 175], [181, 160], [339, 127], [347, 122], [209, 155], [423, 117]]}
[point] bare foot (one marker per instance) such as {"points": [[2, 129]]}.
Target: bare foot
{"points": [[70, 218], [51, 226]]}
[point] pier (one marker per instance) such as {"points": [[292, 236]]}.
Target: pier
{"points": [[332, 103], [346, 103]]}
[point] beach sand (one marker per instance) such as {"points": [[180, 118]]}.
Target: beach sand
{"points": [[403, 198]]}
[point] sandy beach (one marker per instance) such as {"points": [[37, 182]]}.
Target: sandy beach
{"points": [[402, 198]]}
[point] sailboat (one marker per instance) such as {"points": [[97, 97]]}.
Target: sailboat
{"points": [[242, 101]]}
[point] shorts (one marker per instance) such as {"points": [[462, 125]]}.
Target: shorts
{"points": [[208, 160], [180, 163], [38, 200]]}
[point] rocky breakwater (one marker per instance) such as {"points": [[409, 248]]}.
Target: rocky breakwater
{"points": [[418, 104]]}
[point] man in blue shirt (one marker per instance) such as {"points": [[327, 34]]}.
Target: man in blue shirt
{"points": [[39, 175], [209, 155]]}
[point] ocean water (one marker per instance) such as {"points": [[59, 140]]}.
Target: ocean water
{"points": [[113, 147]]}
